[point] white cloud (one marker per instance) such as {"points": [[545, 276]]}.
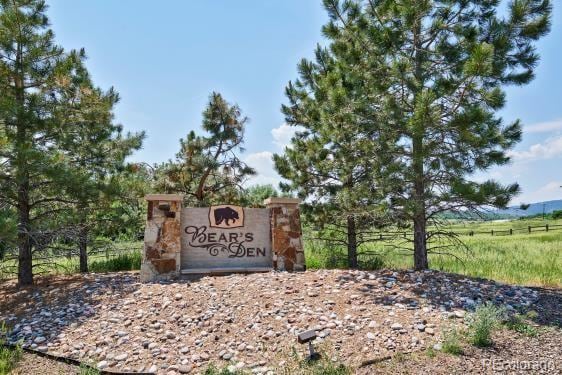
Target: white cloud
{"points": [[550, 191], [551, 148], [262, 162], [283, 134], [544, 127]]}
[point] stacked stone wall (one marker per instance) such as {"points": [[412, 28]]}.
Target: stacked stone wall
{"points": [[162, 237], [286, 234]]}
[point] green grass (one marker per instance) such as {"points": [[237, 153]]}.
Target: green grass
{"points": [[122, 262], [452, 342], [430, 352], [300, 364], [518, 324], [9, 357], [518, 225], [213, 370], [521, 258], [320, 256]]}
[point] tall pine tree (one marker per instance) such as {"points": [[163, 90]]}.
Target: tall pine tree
{"points": [[445, 64], [96, 149], [41, 174]]}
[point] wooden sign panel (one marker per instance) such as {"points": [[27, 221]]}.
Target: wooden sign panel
{"points": [[225, 237]]}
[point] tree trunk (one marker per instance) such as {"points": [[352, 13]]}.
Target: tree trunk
{"points": [[420, 245], [25, 260], [418, 158], [25, 257], [83, 246], [351, 242], [420, 240]]}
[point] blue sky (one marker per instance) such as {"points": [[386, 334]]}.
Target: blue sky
{"points": [[166, 57]]}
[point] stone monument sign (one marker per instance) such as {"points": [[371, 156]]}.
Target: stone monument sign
{"points": [[220, 239], [225, 237]]}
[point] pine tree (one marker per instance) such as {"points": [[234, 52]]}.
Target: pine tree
{"points": [[208, 168], [30, 63], [122, 213], [97, 149], [339, 157], [41, 178], [445, 64]]}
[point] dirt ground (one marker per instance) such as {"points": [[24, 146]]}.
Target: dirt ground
{"points": [[34, 364], [249, 322]]}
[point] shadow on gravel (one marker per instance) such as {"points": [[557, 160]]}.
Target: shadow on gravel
{"points": [[548, 307], [452, 292], [37, 314]]}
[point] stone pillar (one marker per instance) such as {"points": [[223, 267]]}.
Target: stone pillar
{"points": [[162, 237], [286, 234]]}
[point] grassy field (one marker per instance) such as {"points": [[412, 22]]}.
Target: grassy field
{"points": [[122, 256], [521, 258]]}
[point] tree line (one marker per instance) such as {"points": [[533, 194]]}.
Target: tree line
{"points": [[65, 179], [393, 116]]}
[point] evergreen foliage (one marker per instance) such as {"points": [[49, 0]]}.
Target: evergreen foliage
{"points": [[58, 145], [208, 168], [340, 155], [433, 72]]}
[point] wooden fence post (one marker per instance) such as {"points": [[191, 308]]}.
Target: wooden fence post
{"points": [[511, 231], [492, 232], [547, 227], [529, 229]]}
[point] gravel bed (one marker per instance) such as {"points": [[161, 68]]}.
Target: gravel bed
{"points": [[246, 322]]}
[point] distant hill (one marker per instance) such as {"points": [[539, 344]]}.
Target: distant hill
{"points": [[508, 213], [534, 209]]}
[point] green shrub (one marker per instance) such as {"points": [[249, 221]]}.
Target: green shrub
{"points": [[88, 370], [485, 319], [557, 214], [213, 370], [452, 342], [122, 262]]}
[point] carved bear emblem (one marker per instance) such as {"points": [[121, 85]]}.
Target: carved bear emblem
{"points": [[226, 216]]}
